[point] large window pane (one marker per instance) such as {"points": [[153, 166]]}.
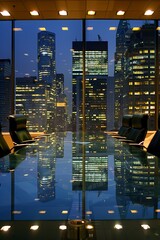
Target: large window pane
{"points": [[131, 67], [44, 72], [5, 73]]}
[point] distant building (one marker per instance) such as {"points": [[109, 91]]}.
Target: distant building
{"points": [[96, 62], [5, 92], [120, 72], [110, 103], [30, 101], [47, 75], [140, 74]]}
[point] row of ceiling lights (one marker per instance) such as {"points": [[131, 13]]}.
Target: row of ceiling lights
{"points": [[117, 226], [148, 12]]}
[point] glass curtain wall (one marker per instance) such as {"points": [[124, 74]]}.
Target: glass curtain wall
{"points": [[130, 68], [5, 72], [121, 72], [44, 72]]}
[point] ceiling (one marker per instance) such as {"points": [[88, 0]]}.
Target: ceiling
{"points": [[77, 9]]}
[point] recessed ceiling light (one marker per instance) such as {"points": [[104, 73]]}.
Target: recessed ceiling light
{"points": [[89, 226], [149, 12], [91, 12], [5, 228], [5, 13], [34, 227], [34, 13], [112, 28], [145, 226], [120, 13], [63, 13], [118, 226], [63, 227]]}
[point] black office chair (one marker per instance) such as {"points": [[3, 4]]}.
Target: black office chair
{"points": [[4, 148], [125, 128], [154, 145], [18, 129], [139, 128]]}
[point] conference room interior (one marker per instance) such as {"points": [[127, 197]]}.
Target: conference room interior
{"points": [[76, 181]]}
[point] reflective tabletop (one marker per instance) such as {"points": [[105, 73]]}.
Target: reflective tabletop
{"points": [[80, 186]]}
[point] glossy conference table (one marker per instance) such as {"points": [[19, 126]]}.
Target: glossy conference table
{"points": [[76, 186]]}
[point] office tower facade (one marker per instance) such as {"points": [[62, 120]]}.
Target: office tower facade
{"points": [[61, 104], [30, 101], [47, 75], [5, 92], [96, 73], [140, 74], [59, 83], [122, 38], [110, 103]]}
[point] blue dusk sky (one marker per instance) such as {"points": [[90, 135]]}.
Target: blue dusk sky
{"points": [[26, 43]]}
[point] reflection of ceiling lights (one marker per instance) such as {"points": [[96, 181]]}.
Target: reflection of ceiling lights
{"points": [[17, 29], [148, 12], [42, 28], [91, 12], [34, 13], [120, 13], [65, 28], [136, 28], [63, 13], [5, 13], [112, 28], [89, 28]]}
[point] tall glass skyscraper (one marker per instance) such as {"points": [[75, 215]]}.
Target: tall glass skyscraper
{"points": [[47, 75], [122, 34], [5, 92], [96, 69]]}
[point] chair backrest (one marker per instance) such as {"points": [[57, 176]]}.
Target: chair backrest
{"points": [[4, 148], [139, 128], [18, 129], [154, 145], [126, 125]]}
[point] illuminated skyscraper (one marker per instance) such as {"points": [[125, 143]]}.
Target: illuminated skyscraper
{"points": [[119, 71], [30, 101], [96, 69], [140, 74], [47, 74], [5, 92]]}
